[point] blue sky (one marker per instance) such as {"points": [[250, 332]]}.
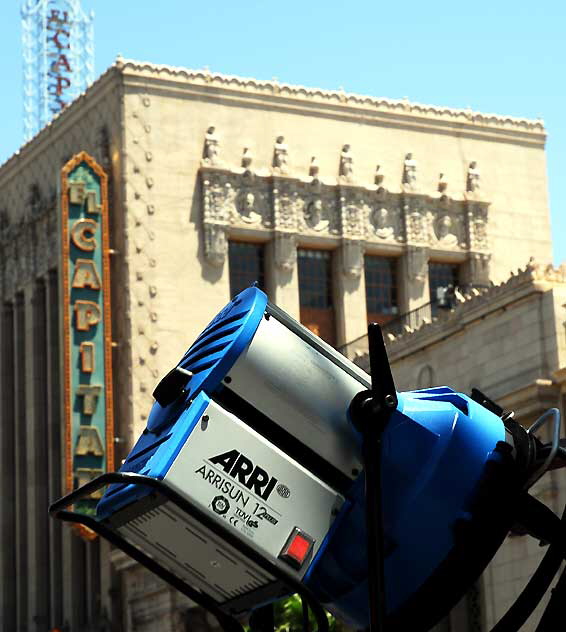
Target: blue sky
{"points": [[504, 57]]}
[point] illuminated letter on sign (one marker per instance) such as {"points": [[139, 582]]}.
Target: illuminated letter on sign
{"points": [[87, 314], [89, 393], [83, 233], [86, 274]]}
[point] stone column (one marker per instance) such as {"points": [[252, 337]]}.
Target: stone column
{"points": [[282, 273], [350, 293], [413, 274], [414, 263]]}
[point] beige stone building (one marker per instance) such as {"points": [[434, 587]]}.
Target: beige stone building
{"points": [[344, 207]]}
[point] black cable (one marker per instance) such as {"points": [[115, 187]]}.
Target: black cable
{"points": [[534, 591], [553, 616]]}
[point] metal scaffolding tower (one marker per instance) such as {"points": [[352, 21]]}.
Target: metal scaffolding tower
{"points": [[58, 50]]}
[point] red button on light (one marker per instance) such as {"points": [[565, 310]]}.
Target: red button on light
{"points": [[297, 548]]}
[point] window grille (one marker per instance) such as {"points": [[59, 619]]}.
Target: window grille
{"points": [[315, 293], [381, 288], [246, 264]]}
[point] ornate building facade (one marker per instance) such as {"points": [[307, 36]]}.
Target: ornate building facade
{"points": [[344, 207]]}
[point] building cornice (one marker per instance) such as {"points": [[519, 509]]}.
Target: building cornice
{"points": [[400, 109]]}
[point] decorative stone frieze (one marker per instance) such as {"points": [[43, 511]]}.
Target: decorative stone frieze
{"points": [[385, 220], [477, 216], [286, 205], [319, 213], [354, 212], [416, 220], [446, 224], [288, 210]]}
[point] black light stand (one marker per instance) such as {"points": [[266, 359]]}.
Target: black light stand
{"points": [[370, 412]]}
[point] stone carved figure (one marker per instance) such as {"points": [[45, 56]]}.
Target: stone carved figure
{"points": [[246, 208], [444, 232], [346, 164], [211, 146], [314, 168], [247, 158], [215, 244], [280, 151], [410, 171], [442, 183], [381, 223], [378, 178], [315, 216], [285, 251], [473, 178]]}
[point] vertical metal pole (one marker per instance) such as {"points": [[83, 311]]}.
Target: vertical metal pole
{"points": [[370, 412], [374, 526]]}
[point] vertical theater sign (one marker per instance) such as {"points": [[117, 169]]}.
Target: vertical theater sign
{"points": [[85, 290]]}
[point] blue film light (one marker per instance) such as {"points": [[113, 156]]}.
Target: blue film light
{"points": [[254, 486]]}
